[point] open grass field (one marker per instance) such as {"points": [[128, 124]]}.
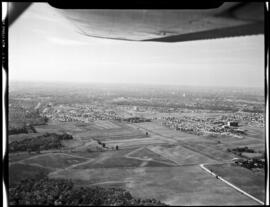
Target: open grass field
{"points": [[112, 135], [122, 162], [163, 165], [182, 155], [146, 154], [155, 127], [18, 172], [247, 180], [255, 132], [258, 147], [102, 130], [252, 143], [15, 157], [55, 160], [185, 185], [252, 155], [137, 142], [127, 158], [207, 150], [106, 125]]}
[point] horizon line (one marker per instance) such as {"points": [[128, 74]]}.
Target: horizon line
{"points": [[130, 83]]}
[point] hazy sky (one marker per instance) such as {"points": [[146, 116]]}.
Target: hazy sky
{"points": [[44, 46]]}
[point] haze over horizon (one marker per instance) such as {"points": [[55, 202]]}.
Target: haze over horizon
{"points": [[44, 46]]}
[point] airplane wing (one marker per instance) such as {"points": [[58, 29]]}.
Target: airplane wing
{"points": [[230, 19], [161, 25]]}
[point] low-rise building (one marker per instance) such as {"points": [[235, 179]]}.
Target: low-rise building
{"points": [[232, 123]]}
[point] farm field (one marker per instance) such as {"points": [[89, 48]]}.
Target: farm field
{"points": [[246, 141], [15, 157], [18, 172], [156, 128], [185, 185], [127, 158], [210, 151], [106, 125], [181, 155], [153, 166], [247, 180], [54, 160], [101, 130], [255, 132], [148, 159], [213, 147], [133, 143]]}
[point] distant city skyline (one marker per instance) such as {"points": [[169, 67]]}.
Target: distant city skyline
{"points": [[44, 46]]}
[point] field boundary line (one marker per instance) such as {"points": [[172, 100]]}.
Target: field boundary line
{"points": [[230, 184], [132, 152], [128, 155], [166, 156], [196, 151]]}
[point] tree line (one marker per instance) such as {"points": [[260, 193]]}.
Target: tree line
{"points": [[62, 192], [43, 142]]}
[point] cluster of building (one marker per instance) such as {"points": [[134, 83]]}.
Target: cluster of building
{"points": [[80, 113], [199, 126], [252, 119]]}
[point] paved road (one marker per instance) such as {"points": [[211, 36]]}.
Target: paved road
{"points": [[231, 185]]}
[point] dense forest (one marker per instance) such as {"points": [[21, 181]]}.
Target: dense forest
{"points": [[43, 142], [21, 130], [62, 192]]}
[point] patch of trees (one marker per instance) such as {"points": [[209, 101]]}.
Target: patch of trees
{"points": [[103, 146], [251, 163], [240, 150], [21, 130], [137, 119], [62, 192], [43, 142], [247, 163], [17, 130]]}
